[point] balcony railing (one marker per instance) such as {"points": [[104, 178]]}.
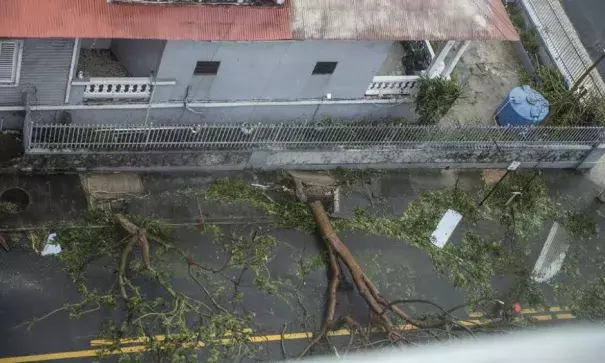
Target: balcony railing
{"points": [[119, 88], [393, 85]]}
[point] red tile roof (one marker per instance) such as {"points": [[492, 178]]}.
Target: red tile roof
{"points": [[99, 19], [298, 19]]}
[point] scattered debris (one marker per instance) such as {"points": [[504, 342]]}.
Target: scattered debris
{"points": [[445, 228], [552, 255], [51, 247]]}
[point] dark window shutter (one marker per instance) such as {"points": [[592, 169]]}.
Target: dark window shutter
{"points": [[204, 68], [324, 67]]}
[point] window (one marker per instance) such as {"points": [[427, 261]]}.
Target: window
{"points": [[324, 67], [10, 59], [206, 68]]}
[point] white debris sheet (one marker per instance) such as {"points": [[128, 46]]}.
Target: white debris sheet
{"points": [[51, 247], [445, 228]]}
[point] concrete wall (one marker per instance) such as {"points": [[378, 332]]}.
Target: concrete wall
{"points": [[239, 114], [421, 157], [270, 70], [44, 70], [100, 43], [138, 56]]}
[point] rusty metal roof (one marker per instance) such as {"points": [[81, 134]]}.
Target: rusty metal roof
{"points": [[99, 19], [402, 20], [298, 19]]}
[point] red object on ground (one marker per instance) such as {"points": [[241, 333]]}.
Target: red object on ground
{"points": [[517, 307]]}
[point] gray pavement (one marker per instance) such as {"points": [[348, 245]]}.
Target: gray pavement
{"points": [[31, 285]]}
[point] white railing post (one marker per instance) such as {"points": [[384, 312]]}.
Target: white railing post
{"points": [[392, 85], [120, 88]]}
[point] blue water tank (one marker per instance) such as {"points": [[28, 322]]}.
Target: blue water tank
{"points": [[522, 107]]}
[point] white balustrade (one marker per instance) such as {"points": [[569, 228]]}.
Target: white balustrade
{"points": [[115, 88], [393, 85]]}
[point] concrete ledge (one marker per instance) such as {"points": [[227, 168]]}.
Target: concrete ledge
{"points": [[558, 157]]}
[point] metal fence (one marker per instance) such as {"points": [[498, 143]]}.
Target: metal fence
{"points": [[101, 138], [562, 42]]}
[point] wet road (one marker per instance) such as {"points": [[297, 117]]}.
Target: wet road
{"points": [[31, 285], [587, 18]]}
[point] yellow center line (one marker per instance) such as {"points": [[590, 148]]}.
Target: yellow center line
{"points": [[71, 355], [142, 348], [554, 309], [253, 339], [542, 317], [96, 342]]}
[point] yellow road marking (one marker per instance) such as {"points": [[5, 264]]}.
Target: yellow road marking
{"points": [[542, 317], [142, 348], [139, 340], [554, 309], [70, 355], [253, 339]]}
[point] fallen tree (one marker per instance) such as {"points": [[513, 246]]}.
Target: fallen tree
{"points": [[133, 247], [380, 307]]}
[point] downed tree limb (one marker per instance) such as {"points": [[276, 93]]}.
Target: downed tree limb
{"points": [[327, 231], [128, 226], [123, 264], [402, 314], [332, 301], [333, 289], [366, 288]]}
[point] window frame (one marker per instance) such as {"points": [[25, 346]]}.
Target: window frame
{"points": [[197, 64], [18, 57], [318, 65]]}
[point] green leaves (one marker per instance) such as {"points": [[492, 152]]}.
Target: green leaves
{"points": [[590, 302], [435, 97], [289, 212], [566, 108]]}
